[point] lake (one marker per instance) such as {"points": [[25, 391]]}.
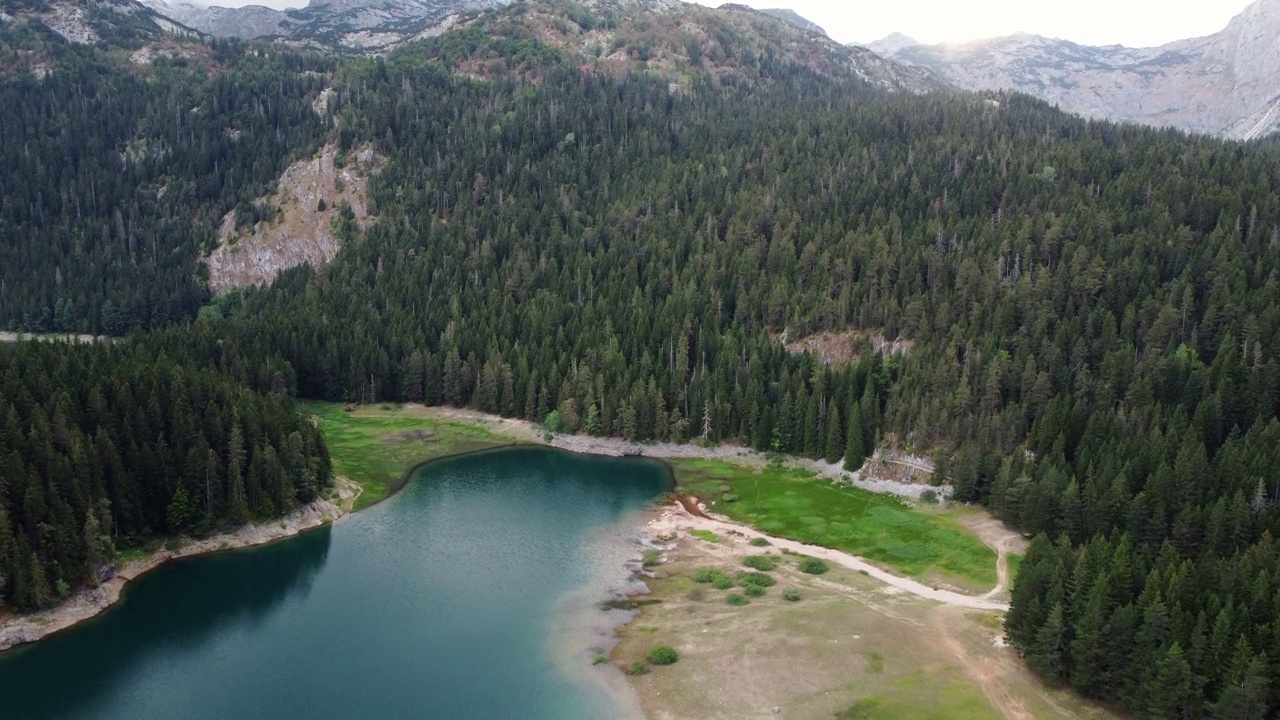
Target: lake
{"points": [[473, 593]]}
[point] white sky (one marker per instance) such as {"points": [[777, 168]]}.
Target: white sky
{"points": [[1136, 23]]}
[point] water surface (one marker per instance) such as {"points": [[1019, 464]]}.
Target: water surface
{"points": [[465, 596]]}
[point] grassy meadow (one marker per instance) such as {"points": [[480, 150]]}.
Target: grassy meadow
{"points": [[792, 503], [376, 445]]}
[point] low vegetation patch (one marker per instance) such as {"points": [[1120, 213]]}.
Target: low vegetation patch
{"points": [[651, 558], [792, 503], [759, 542], [736, 600], [757, 579], [718, 579], [356, 437], [639, 667], [763, 563], [663, 655], [706, 535], [812, 566], [752, 590], [791, 595]]}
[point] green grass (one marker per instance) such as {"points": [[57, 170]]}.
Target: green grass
{"points": [[706, 535], [915, 698], [1015, 564], [794, 504], [375, 446]]}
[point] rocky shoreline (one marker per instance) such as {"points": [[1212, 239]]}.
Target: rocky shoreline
{"points": [[90, 602]]}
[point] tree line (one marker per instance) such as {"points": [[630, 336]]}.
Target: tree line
{"points": [[105, 445]]}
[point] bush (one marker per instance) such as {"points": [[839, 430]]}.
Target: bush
{"points": [[718, 578], [813, 566], [756, 578], [752, 590], [695, 595], [929, 496], [736, 600], [651, 558], [600, 660], [637, 668], [663, 655], [730, 497], [763, 563], [791, 595], [759, 542]]}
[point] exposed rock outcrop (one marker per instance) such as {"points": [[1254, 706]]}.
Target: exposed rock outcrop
{"points": [[310, 197], [1225, 84]]}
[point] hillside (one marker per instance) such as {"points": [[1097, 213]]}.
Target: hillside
{"points": [[614, 218], [1225, 84]]}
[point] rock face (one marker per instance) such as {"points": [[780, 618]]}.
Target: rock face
{"points": [[788, 15], [1225, 84], [361, 24], [310, 196]]}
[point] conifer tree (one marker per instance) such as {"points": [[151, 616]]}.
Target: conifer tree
{"points": [[855, 453]]}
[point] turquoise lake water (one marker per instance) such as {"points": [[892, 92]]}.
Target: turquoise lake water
{"points": [[474, 593]]}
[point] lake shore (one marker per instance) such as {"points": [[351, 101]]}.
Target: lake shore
{"points": [[880, 475], [846, 642], [87, 603]]}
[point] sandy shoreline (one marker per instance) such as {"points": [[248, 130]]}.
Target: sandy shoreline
{"points": [[90, 602]]}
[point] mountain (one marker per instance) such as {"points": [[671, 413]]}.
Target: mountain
{"points": [[788, 15], [1226, 84], [355, 24], [675, 39], [120, 22]]}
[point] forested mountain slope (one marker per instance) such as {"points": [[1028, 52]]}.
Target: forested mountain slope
{"points": [[101, 444], [1093, 310]]}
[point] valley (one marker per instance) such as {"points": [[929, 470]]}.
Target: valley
{"points": [[992, 386]]}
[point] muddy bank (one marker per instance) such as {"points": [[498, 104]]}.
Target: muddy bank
{"points": [[88, 603]]}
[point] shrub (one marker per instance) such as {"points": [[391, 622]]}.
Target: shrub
{"points": [[791, 595], [651, 558], [752, 590], [729, 497], [929, 496], [718, 578], [813, 566], [756, 578], [705, 535], [759, 542], [736, 600], [763, 563], [696, 595], [637, 668], [600, 660], [663, 655]]}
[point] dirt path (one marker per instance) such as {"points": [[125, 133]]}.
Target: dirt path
{"points": [[986, 673], [1001, 538], [995, 673], [678, 518]]}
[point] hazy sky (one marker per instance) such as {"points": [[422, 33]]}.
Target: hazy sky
{"points": [[1136, 23]]}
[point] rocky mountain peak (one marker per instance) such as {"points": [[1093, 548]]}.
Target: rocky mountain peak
{"points": [[1225, 84]]}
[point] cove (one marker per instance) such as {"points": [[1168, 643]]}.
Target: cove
{"points": [[473, 593]]}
